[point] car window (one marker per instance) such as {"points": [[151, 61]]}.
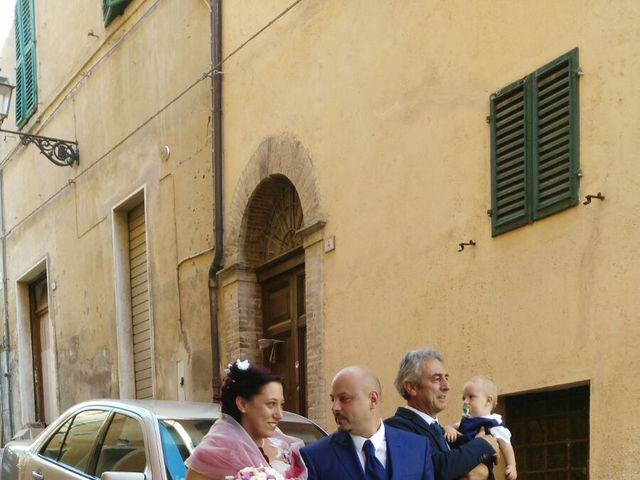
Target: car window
{"points": [[307, 432], [53, 446], [179, 438], [72, 443], [123, 447]]}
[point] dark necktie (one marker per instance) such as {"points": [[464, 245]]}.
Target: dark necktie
{"points": [[373, 469], [439, 432]]}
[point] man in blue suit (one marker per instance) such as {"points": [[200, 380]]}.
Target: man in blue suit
{"points": [[364, 448], [424, 383]]}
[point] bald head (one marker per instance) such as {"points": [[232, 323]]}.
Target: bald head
{"points": [[359, 377], [356, 397]]}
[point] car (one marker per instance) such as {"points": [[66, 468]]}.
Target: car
{"points": [[124, 440]]}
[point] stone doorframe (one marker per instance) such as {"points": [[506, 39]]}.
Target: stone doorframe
{"points": [[239, 293]]}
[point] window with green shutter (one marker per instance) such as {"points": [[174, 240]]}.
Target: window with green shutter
{"points": [[26, 76], [534, 145], [112, 8]]}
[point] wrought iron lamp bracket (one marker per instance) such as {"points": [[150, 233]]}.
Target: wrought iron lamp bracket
{"points": [[63, 153]]}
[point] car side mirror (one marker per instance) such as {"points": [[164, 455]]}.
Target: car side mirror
{"points": [[122, 476]]}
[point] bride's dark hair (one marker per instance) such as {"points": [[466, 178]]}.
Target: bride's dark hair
{"points": [[245, 383]]}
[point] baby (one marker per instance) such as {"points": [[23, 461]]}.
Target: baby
{"points": [[479, 398]]}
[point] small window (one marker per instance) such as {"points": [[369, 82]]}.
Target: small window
{"points": [[26, 78], [113, 8], [72, 444], [123, 447], [534, 145], [53, 447], [550, 433]]}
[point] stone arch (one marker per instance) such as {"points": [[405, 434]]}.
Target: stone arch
{"points": [[278, 162], [282, 155], [271, 193]]}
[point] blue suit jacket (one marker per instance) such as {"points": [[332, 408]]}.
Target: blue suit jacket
{"points": [[335, 458], [447, 464]]}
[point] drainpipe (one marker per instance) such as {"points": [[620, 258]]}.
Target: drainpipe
{"points": [[216, 157], [6, 376]]}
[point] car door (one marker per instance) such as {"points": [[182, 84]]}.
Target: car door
{"points": [[123, 447], [69, 451]]}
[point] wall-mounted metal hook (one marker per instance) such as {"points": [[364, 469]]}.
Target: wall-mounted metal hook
{"points": [[470, 243], [588, 198]]}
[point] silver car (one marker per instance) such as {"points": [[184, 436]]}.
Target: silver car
{"points": [[123, 440]]}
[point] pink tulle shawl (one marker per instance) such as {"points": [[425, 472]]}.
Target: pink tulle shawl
{"points": [[227, 448]]}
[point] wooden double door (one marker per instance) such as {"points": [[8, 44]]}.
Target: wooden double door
{"points": [[284, 325]]}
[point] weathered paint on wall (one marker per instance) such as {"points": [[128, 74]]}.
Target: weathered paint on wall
{"points": [[105, 88], [390, 101]]}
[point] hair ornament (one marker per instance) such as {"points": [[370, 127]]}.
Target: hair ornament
{"points": [[242, 364]]}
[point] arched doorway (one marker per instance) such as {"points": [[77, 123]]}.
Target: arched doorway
{"points": [[275, 217], [271, 288]]}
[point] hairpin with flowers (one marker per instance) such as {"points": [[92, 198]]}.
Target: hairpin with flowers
{"points": [[240, 364]]}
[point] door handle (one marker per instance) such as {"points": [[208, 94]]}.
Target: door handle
{"points": [[37, 475]]}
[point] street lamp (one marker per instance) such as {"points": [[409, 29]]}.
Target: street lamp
{"points": [[60, 152], [5, 98]]}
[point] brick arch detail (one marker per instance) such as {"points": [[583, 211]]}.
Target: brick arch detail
{"points": [[240, 294], [279, 155]]}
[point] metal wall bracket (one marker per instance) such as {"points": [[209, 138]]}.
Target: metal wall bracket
{"points": [[470, 243], [588, 198], [63, 153]]}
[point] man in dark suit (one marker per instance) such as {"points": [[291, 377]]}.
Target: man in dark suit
{"points": [[424, 382], [364, 448]]}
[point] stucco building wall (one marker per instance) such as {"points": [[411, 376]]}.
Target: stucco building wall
{"points": [[105, 88], [390, 101]]}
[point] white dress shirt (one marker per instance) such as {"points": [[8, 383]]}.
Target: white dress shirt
{"points": [[427, 418], [379, 443]]}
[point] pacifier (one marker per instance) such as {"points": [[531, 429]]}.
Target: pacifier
{"points": [[466, 409]]}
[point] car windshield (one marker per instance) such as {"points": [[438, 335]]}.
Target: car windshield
{"points": [[180, 437]]}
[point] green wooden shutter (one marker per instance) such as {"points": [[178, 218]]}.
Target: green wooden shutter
{"points": [[26, 75], [112, 8], [509, 159], [555, 149]]}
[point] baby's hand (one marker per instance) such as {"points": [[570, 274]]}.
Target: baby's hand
{"points": [[510, 472], [450, 434]]}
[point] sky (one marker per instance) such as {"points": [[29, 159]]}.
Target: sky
{"points": [[6, 19]]}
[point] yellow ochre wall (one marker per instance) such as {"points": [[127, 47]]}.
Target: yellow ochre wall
{"points": [[104, 87], [390, 101]]}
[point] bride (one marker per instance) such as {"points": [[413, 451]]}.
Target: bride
{"points": [[247, 434]]}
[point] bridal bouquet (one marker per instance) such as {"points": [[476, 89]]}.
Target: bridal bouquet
{"points": [[256, 473]]}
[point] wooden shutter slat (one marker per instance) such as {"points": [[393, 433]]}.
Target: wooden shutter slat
{"points": [[512, 211], [554, 168], [508, 159], [510, 140], [546, 109], [556, 120], [554, 90], [141, 346], [509, 178], [510, 196], [555, 148], [549, 195], [140, 307], [514, 178], [140, 299], [516, 172]]}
